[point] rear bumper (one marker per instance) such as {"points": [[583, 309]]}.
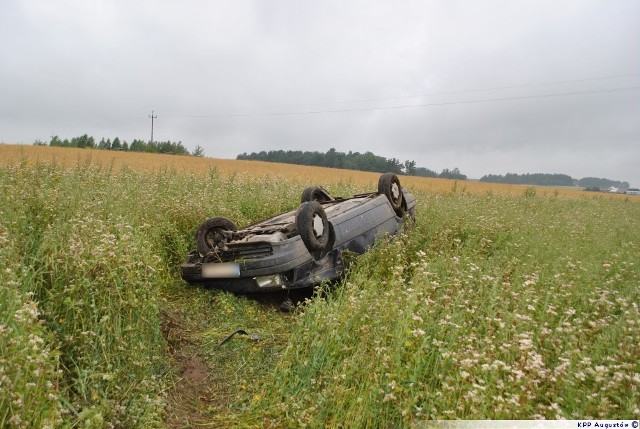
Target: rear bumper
{"points": [[272, 275]]}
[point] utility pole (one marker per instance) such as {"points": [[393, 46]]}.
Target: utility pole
{"points": [[152, 118]]}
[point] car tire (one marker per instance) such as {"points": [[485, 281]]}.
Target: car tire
{"points": [[313, 227], [211, 233], [315, 193], [389, 185]]}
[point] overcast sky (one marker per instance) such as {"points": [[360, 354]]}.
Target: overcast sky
{"points": [[496, 86]]}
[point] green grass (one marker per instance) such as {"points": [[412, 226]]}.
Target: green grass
{"points": [[89, 263], [489, 307]]}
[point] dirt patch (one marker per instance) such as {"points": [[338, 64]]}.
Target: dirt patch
{"points": [[190, 398], [173, 330], [214, 384]]}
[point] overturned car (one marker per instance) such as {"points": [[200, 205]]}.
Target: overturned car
{"points": [[300, 248]]}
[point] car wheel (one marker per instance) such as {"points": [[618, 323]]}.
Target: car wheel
{"points": [[213, 232], [389, 185], [315, 193], [313, 226]]}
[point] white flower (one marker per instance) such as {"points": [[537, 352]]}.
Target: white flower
{"points": [[418, 332], [389, 397], [15, 420]]}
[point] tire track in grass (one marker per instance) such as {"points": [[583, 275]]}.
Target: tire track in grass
{"points": [[215, 384]]}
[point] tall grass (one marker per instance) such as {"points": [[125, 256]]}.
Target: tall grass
{"points": [[29, 374], [490, 308], [88, 257]]}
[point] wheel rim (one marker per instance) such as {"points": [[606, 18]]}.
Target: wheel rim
{"points": [[213, 237], [395, 191], [318, 225]]}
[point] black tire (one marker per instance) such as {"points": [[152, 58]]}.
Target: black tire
{"points": [[212, 233], [315, 193], [313, 227], [389, 185]]}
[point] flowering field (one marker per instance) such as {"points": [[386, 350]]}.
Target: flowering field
{"points": [[491, 306]]}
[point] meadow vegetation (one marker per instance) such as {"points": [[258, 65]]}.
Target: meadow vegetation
{"points": [[490, 306], [151, 163]]}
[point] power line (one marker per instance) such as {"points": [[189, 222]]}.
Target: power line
{"points": [[406, 106], [453, 92]]}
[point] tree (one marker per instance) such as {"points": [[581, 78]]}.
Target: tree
{"points": [[452, 174], [410, 168], [353, 161], [394, 166], [198, 151], [595, 182], [180, 149], [138, 146], [425, 172], [116, 145], [332, 158], [541, 179], [104, 144], [83, 141], [55, 141]]}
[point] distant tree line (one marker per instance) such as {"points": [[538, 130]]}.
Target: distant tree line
{"points": [[531, 179], [542, 179], [86, 141], [351, 161], [594, 182]]}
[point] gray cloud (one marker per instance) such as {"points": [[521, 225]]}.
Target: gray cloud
{"points": [[95, 67]]}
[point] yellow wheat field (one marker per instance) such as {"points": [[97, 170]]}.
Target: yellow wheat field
{"points": [[151, 162]]}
